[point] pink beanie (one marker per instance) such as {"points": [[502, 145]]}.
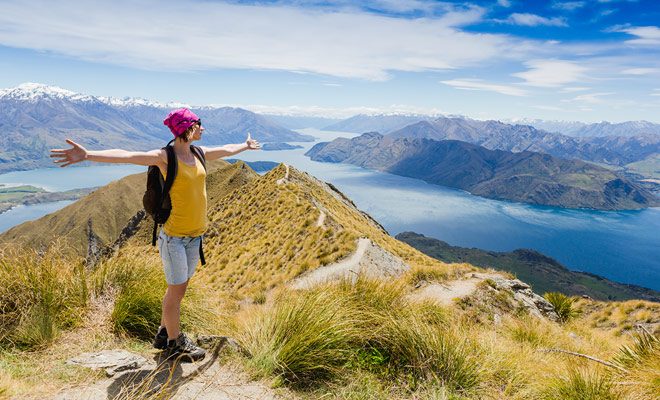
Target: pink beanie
{"points": [[179, 120]]}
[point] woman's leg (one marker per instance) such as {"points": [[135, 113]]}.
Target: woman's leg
{"points": [[175, 264], [172, 309]]}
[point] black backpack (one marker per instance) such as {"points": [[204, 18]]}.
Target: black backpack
{"points": [[156, 199]]}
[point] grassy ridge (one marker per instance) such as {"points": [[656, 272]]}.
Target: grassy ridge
{"points": [[100, 215], [543, 273], [265, 234]]}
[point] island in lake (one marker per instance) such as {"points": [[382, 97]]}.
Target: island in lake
{"points": [[12, 196]]}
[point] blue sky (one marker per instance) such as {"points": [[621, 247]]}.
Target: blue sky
{"points": [[589, 60]]}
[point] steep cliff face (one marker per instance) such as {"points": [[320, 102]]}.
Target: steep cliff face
{"points": [[527, 176]]}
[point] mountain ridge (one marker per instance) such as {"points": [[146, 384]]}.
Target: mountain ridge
{"points": [[37, 117], [528, 177]]}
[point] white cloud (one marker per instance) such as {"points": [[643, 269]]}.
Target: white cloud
{"points": [[476, 84], [551, 73], [332, 84], [592, 98], [504, 3], [568, 5], [549, 108], [532, 20], [201, 35], [648, 35], [574, 89], [641, 71], [657, 92]]}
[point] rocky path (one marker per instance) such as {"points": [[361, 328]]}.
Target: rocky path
{"points": [[208, 379]]}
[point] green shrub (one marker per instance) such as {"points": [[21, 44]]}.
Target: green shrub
{"points": [[40, 292], [563, 305]]}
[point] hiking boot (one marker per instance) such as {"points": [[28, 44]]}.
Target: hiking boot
{"points": [[160, 340], [183, 347]]}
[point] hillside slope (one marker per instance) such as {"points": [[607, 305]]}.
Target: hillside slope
{"points": [[527, 177], [284, 224], [97, 220]]}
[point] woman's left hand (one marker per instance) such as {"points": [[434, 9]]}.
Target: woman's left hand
{"points": [[252, 144]]}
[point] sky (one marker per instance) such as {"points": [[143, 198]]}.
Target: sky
{"points": [[588, 60]]}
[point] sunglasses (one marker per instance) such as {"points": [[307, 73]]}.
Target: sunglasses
{"points": [[198, 121]]}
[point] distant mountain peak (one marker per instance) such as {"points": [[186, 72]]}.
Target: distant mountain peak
{"points": [[32, 92], [137, 102]]}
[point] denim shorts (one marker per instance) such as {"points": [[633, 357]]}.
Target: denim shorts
{"points": [[180, 256]]}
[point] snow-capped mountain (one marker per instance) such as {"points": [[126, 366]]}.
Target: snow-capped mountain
{"points": [[34, 92], [599, 129], [36, 117]]}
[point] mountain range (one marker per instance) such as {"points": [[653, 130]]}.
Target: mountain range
{"points": [[383, 123], [599, 129], [526, 176], [386, 123], [36, 117], [495, 135]]}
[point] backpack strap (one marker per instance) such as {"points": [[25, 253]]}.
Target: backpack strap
{"points": [[199, 153], [201, 251], [172, 170]]}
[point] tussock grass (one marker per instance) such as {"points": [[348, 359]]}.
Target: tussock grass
{"points": [[321, 333], [140, 285], [563, 305], [642, 361], [427, 274], [582, 384], [303, 338], [40, 293], [529, 330]]}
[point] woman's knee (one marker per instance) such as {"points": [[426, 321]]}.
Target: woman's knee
{"points": [[176, 292]]}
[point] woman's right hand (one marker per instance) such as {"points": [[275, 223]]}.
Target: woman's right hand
{"points": [[70, 156]]}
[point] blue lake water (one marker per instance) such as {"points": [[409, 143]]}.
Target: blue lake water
{"points": [[623, 246]]}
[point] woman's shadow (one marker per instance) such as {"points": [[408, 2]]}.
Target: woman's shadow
{"points": [[161, 382]]}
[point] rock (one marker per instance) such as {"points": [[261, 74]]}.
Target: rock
{"points": [[113, 361], [497, 319], [210, 342], [522, 292]]}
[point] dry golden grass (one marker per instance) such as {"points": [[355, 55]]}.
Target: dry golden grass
{"points": [[265, 234]]}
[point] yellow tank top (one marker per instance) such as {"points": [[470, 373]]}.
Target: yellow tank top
{"points": [[188, 194]]}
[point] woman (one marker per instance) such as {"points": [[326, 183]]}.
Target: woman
{"points": [[180, 238]]}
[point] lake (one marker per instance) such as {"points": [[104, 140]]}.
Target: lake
{"points": [[623, 246]]}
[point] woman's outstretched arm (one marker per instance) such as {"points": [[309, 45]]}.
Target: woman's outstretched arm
{"points": [[213, 153], [78, 153]]}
